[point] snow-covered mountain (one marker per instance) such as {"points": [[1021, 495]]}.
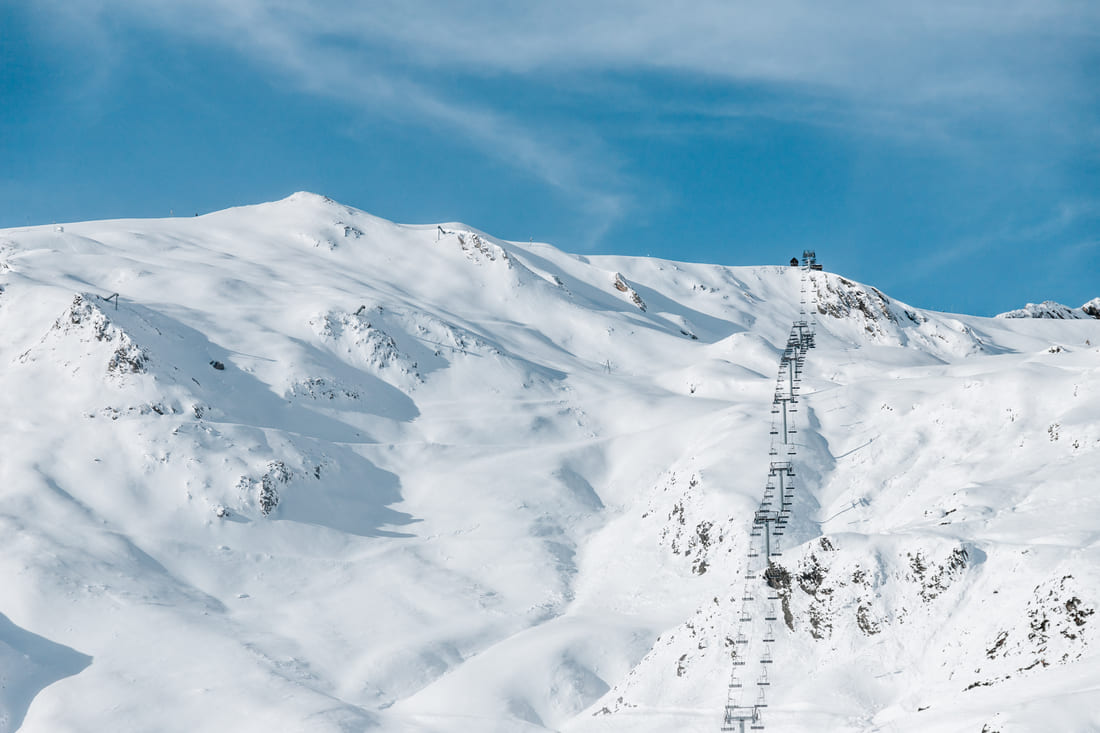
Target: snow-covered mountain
{"points": [[1050, 309], [310, 470]]}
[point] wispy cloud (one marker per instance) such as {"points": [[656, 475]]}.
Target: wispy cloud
{"points": [[1054, 235], [338, 50], [905, 69]]}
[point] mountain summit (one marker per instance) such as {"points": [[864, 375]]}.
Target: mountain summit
{"points": [[295, 467]]}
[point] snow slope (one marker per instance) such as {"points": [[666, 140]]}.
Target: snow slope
{"points": [[312, 470]]}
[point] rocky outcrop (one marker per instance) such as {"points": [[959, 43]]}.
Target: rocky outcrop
{"points": [[623, 286], [86, 323]]}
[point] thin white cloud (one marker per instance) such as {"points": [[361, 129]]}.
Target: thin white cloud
{"points": [[332, 49], [909, 69], [907, 50], [1051, 234]]}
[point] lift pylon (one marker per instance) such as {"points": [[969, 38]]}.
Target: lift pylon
{"points": [[758, 615]]}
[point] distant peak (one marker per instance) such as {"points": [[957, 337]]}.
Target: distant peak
{"points": [[1053, 310], [307, 197], [309, 203]]}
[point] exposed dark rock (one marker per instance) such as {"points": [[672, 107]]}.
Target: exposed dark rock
{"points": [[277, 474]]}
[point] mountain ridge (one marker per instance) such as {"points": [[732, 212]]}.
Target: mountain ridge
{"points": [[1050, 309], [430, 458]]}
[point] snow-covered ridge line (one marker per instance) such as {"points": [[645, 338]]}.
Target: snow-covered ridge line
{"points": [[1050, 309]]}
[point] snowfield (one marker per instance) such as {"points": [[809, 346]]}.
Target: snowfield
{"points": [[315, 471]]}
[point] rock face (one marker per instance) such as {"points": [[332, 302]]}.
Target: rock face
{"points": [[864, 312], [622, 286], [827, 589]]}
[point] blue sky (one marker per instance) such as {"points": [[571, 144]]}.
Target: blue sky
{"points": [[946, 152]]}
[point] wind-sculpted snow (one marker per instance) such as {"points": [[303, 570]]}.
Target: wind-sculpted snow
{"points": [[28, 664], [313, 470]]}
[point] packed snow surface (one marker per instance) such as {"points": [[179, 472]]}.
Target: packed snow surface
{"points": [[314, 471]]}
